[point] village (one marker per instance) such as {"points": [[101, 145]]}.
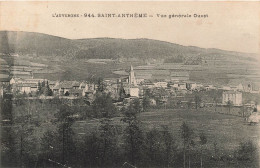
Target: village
{"points": [[177, 92]]}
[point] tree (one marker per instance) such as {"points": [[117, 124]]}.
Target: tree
{"points": [[108, 143], [186, 134], [67, 93], [43, 84], [50, 148], [122, 93], [24, 94], [133, 142], [103, 106], [6, 108], [47, 91], [9, 156], [197, 100], [27, 141], [246, 151], [137, 106], [168, 146], [146, 102], [160, 147], [153, 144], [133, 135], [229, 104], [65, 133], [203, 141], [39, 90], [100, 85], [91, 155]]}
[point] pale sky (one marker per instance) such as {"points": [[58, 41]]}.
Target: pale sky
{"points": [[230, 25]]}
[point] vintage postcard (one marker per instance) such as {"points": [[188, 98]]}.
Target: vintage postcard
{"points": [[130, 84]]}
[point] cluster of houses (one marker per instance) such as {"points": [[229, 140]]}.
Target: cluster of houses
{"points": [[61, 88], [130, 85]]}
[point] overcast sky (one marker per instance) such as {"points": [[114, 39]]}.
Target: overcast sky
{"points": [[229, 25]]}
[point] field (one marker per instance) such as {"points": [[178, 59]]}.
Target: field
{"points": [[228, 131], [225, 131]]}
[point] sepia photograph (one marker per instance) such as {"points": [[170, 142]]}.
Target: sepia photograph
{"points": [[137, 84]]}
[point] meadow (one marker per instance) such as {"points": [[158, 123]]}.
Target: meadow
{"points": [[223, 132], [226, 130]]}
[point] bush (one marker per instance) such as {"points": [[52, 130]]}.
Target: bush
{"points": [[246, 151]]}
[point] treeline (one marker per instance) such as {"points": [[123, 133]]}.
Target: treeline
{"points": [[26, 143]]}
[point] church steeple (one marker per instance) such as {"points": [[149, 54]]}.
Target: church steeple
{"points": [[131, 68], [132, 80]]}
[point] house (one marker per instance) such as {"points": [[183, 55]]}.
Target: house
{"points": [[182, 86], [255, 88], [210, 87], [65, 87], [34, 88], [234, 97], [56, 89], [75, 85], [134, 91], [191, 86], [226, 88], [52, 84], [174, 85], [233, 88], [35, 81], [247, 87], [15, 80], [91, 86], [152, 102], [83, 85], [76, 92], [240, 87], [112, 88], [160, 84], [200, 86], [23, 88]]}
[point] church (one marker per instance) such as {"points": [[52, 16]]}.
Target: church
{"points": [[130, 85], [132, 80]]}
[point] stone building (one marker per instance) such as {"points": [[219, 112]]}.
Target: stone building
{"points": [[234, 97]]}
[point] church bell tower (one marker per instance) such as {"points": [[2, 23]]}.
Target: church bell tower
{"points": [[132, 80]]}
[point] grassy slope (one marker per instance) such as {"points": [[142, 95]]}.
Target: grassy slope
{"points": [[217, 126], [227, 131], [70, 55]]}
